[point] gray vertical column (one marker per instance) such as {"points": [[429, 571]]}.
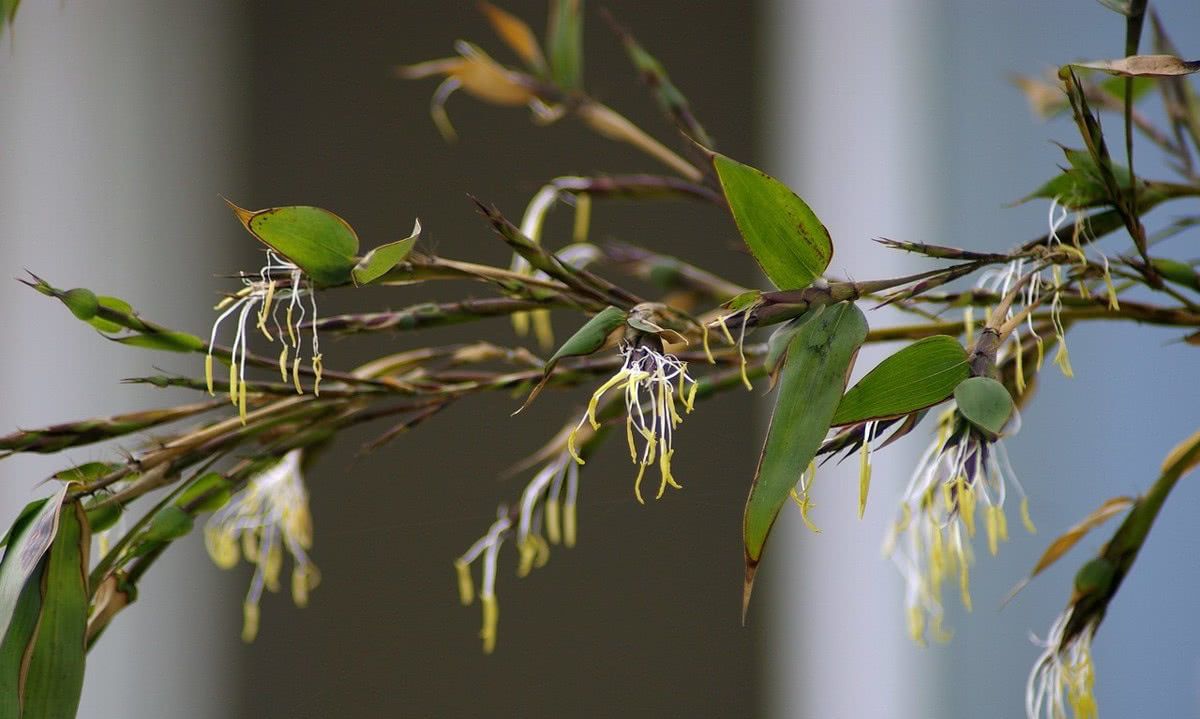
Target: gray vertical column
{"points": [[118, 130], [845, 129]]}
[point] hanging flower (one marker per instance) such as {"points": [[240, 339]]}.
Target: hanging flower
{"points": [[267, 518], [1064, 674], [280, 284], [960, 474], [655, 385]]}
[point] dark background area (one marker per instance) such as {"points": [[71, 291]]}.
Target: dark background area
{"points": [[641, 618]]}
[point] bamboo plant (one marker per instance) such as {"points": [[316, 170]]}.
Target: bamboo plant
{"points": [[982, 325]]}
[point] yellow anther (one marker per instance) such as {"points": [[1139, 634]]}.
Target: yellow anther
{"points": [[553, 525], [637, 483], [690, 403], [707, 350], [864, 476], [542, 552], [466, 587], [964, 582], [1025, 516], [283, 357], [804, 502], [593, 404], [272, 566], [1063, 359], [969, 321], [299, 587], [266, 304], [233, 383], [242, 402], [1019, 358], [937, 559], [491, 618], [222, 547], [249, 622], [1113, 303], [290, 326], [542, 329], [208, 374], [905, 518], [940, 634], [629, 438], [966, 504], [571, 446], [527, 551], [916, 625], [583, 217], [993, 529], [262, 315], [520, 323], [296, 374], [725, 329], [250, 546], [569, 524], [316, 368], [664, 468]]}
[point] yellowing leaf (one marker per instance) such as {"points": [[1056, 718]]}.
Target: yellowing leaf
{"points": [[1071, 537], [516, 34]]}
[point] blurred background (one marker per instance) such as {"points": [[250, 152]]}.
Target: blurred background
{"points": [[122, 123]]}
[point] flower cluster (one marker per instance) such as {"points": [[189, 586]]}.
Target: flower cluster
{"points": [[1063, 675], [655, 385], [930, 542], [266, 518], [279, 284]]}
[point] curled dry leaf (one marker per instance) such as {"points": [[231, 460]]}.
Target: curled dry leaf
{"points": [[1144, 66]]}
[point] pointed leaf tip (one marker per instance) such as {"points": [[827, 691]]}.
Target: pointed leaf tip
{"points": [[785, 236]]}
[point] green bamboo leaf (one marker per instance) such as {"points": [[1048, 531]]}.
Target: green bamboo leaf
{"points": [[564, 42], [315, 240], [112, 303], [790, 243], [1081, 183], [382, 259], [8, 11], [598, 332], [670, 98], [1178, 272], [211, 490], [28, 541], [102, 515], [985, 403], [592, 336], [168, 341], [13, 648], [918, 376], [53, 677], [812, 380], [168, 523]]}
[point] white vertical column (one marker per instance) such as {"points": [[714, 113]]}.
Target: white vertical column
{"points": [[118, 130], [845, 128]]}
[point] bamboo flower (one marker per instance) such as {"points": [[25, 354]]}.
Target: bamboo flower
{"points": [[279, 284], [931, 540], [266, 518], [654, 384]]}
